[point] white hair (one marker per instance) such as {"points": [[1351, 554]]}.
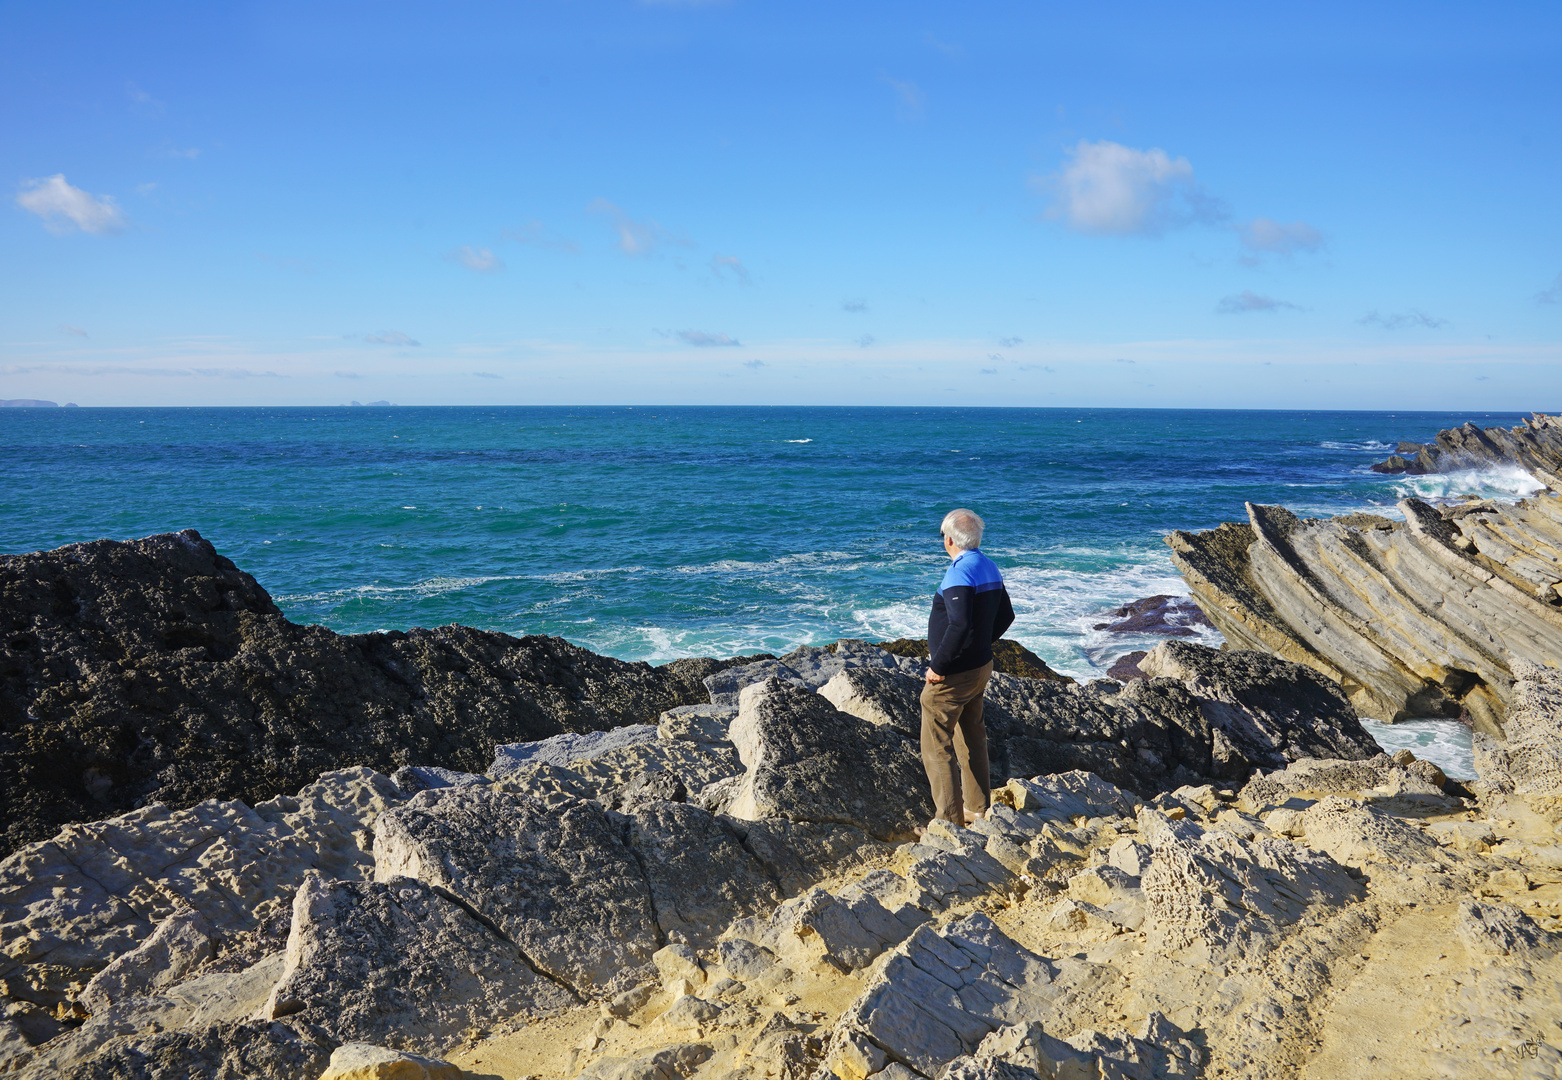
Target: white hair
{"points": [[964, 527]]}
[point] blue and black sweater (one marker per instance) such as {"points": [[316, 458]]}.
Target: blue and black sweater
{"points": [[971, 610]]}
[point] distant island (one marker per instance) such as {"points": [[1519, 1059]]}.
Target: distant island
{"points": [[33, 403], [371, 404]]}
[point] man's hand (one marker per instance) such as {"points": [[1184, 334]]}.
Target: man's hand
{"points": [[933, 676]]}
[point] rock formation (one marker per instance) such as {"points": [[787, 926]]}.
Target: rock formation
{"points": [[156, 670], [1536, 447], [735, 892], [1420, 618]]}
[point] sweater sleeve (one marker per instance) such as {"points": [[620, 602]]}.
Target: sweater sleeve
{"points": [[959, 603], [1005, 617]]}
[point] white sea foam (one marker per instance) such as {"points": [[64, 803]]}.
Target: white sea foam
{"points": [[1507, 483], [799, 440], [1361, 444], [1445, 743]]}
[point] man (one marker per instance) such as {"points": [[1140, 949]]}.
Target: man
{"points": [[970, 611]]}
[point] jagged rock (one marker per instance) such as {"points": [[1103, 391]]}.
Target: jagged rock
{"points": [[1413, 619], [1126, 667], [411, 779], [796, 854], [700, 875], [705, 725], [807, 761], [258, 1049], [1536, 446], [670, 1063], [1495, 930], [1068, 795], [70, 905], [852, 927], [155, 669], [178, 945], [563, 750], [400, 964], [365, 1061], [1173, 616], [1529, 761], [1315, 777], [561, 884], [1268, 709], [881, 696], [1212, 897], [725, 686], [1356, 835], [1009, 658], [1028, 1052], [940, 993]]}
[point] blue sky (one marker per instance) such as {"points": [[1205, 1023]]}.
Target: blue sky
{"points": [[1326, 206]]}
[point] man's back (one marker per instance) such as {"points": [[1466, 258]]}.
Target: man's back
{"points": [[970, 611]]}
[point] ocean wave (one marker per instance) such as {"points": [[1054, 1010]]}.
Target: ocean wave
{"points": [[799, 440], [1445, 743], [1363, 444], [1506, 483], [437, 586]]}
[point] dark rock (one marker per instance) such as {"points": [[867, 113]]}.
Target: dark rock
{"points": [[1174, 616], [1392, 465], [1126, 667], [253, 1050], [1009, 657], [650, 786], [155, 669], [1270, 710]]}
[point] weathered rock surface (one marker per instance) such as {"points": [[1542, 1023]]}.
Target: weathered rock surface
{"points": [[561, 884], [1420, 618], [1535, 446], [1172, 616], [70, 905], [364, 1061], [400, 964], [1529, 760], [805, 760], [1009, 658], [237, 1051], [155, 669]]}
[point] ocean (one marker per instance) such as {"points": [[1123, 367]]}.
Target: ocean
{"points": [[653, 533]]}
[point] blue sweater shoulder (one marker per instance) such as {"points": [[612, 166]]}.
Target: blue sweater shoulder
{"points": [[973, 570]]}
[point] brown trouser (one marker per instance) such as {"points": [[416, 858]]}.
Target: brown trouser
{"points": [[952, 726]]}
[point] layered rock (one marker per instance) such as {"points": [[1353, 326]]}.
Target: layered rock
{"points": [[1535, 446], [156, 670], [1420, 618]]}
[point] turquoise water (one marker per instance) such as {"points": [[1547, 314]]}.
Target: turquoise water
{"points": [[653, 533]]}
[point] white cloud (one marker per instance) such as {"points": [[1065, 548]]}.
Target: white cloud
{"points": [[535, 232], [706, 340], [1414, 317], [856, 307], [909, 95], [866, 340], [754, 365], [1552, 295], [78, 331], [635, 237], [486, 375], [63, 207], [1247, 300], [1269, 237], [730, 264], [481, 259], [952, 50], [1108, 189], [390, 337], [1010, 342], [347, 374]]}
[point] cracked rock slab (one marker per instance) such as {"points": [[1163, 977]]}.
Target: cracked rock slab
{"points": [[562, 884], [805, 760], [401, 965]]}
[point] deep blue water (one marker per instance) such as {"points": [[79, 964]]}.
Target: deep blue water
{"points": [[652, 533]]}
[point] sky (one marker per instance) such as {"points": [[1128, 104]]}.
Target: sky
{"points": [[1343, 206]]}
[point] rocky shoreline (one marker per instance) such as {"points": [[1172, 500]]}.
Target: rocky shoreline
{"points": [[1536, 447], [563, 865]]}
